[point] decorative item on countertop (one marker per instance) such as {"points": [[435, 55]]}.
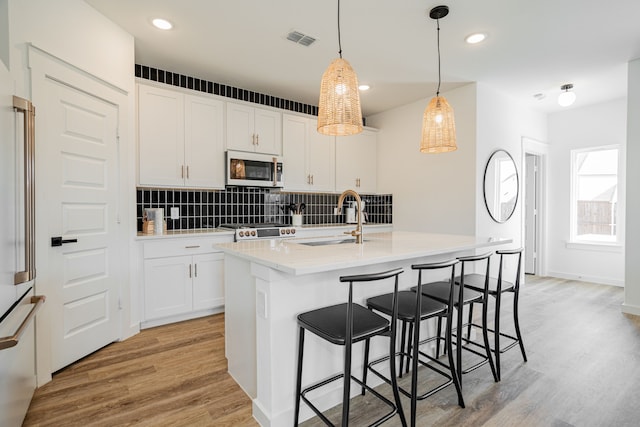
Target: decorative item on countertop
{"points": [[296, 213], [438, 124], [153, 221]]}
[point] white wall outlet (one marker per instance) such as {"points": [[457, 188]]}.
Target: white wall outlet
{"points": [[175, 213]]}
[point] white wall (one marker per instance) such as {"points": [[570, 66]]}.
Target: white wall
{"points": [[591, 126], [431, 192], [502, 123], [74, 32], [632, 238]]}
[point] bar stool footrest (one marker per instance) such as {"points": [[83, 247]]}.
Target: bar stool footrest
{"points": [[361, 384]]}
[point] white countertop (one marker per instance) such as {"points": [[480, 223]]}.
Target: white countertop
{"points": [[221, 232], [293, 257]]}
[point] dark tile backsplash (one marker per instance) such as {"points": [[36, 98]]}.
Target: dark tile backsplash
{"points": [[209, 209]]}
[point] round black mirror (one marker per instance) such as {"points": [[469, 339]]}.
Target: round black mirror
{"points": [[501, 186]]}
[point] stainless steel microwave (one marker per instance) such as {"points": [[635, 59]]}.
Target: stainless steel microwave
{"points": [[254, 169]]}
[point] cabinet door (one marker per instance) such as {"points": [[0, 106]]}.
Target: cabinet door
{"points": [[356, 162], [167, 287], [240, 130], [320, 159], [268, 130], [208, 281], [204, 144], [294, 146], [160, 136]]}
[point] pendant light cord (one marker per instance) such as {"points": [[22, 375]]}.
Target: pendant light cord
{"points": [[439, 77], [339, 41]]}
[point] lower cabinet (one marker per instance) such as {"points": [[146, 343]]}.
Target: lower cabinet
{"points": [[179, 287]]}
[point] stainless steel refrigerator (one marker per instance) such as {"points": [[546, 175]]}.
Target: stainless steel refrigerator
{"points": [[18, 304]]}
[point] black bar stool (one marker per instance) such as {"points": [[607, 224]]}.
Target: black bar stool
{"points": [[495, 288], [346, 324], [465, 296], [412, 306]]}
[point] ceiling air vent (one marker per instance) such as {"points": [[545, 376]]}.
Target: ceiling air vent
{"points": [[300, 38]]}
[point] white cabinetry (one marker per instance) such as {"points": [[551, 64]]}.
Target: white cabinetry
{"points": [[357, 162], [253, 129], [308, 155], [180, 139], [183, 278]]}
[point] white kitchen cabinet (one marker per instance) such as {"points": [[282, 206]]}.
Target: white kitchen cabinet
{"points": [[308, 155], [357, 162], [167, 287], [253, 129], [180, 139], [183, 278]]}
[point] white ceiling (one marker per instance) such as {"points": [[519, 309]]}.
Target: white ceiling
{"points": [[533, 46]]}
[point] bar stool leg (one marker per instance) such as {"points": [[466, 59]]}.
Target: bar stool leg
{"points": [[366, 363], [346, 396], [299, 376], [485, 336], [517, 323], [454, 375], [496, 327], [403, 342]]}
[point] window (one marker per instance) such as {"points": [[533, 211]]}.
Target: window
{"points": [[594, 195]]}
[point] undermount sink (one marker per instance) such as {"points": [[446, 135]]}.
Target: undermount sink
{"points": [[329, 242]]}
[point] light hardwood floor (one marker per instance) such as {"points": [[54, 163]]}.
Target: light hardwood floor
{"points": [[583, 370]]}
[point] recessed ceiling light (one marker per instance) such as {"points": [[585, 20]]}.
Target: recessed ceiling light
{"points": [[364, 87], [475, 38], [162, 24]]}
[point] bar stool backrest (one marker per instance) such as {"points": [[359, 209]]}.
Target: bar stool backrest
{"points": [[509, 252]]}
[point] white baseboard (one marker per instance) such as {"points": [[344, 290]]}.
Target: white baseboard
{"points": [[630, 309], [583, 278]]}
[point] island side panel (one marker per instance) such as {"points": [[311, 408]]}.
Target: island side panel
{"points": [[240, 326]]}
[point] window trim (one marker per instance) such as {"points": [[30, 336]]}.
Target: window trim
{"points": [[574, 241]]}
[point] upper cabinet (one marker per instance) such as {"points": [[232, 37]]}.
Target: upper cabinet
{"points": [[253, 129], [180, 139], [357, 162], [308, 155]]}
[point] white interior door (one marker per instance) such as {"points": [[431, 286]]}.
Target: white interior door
{"points": [[78, 134]]}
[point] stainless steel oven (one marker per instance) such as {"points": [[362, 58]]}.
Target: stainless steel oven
{"points": [[254, 169]]}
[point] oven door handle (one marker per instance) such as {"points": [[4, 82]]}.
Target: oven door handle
{"points": [[12, 340]]}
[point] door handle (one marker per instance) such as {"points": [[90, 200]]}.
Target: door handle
{"points": [[58, 241]]}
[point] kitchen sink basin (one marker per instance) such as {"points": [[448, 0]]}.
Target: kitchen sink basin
{"points": [[330, 242]]}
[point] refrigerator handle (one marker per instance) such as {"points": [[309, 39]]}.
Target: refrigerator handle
{"points": [[25, 106]]}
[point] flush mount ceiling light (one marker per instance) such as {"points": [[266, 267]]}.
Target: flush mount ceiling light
{"points": [[364, 87], [566, 98], [438, 124], [162, 24], [475, 38], [339, 111]]}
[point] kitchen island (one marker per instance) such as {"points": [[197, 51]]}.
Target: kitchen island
{"points": [[268, 282]]}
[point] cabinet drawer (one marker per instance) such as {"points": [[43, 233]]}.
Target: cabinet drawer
{"points": [[179, 247]]}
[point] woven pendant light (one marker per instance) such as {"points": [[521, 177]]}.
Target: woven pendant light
{"points": [[339, 111], [438, 123]]}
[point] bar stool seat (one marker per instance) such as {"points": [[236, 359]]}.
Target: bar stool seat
{"points": [[329, 323], [346, 324]]}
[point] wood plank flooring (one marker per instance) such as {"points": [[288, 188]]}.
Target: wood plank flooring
{"points": [[173, 375], [583, 370]]}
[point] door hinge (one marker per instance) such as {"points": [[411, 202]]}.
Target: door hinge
{"points": [[119, 303], [118, 219]]}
